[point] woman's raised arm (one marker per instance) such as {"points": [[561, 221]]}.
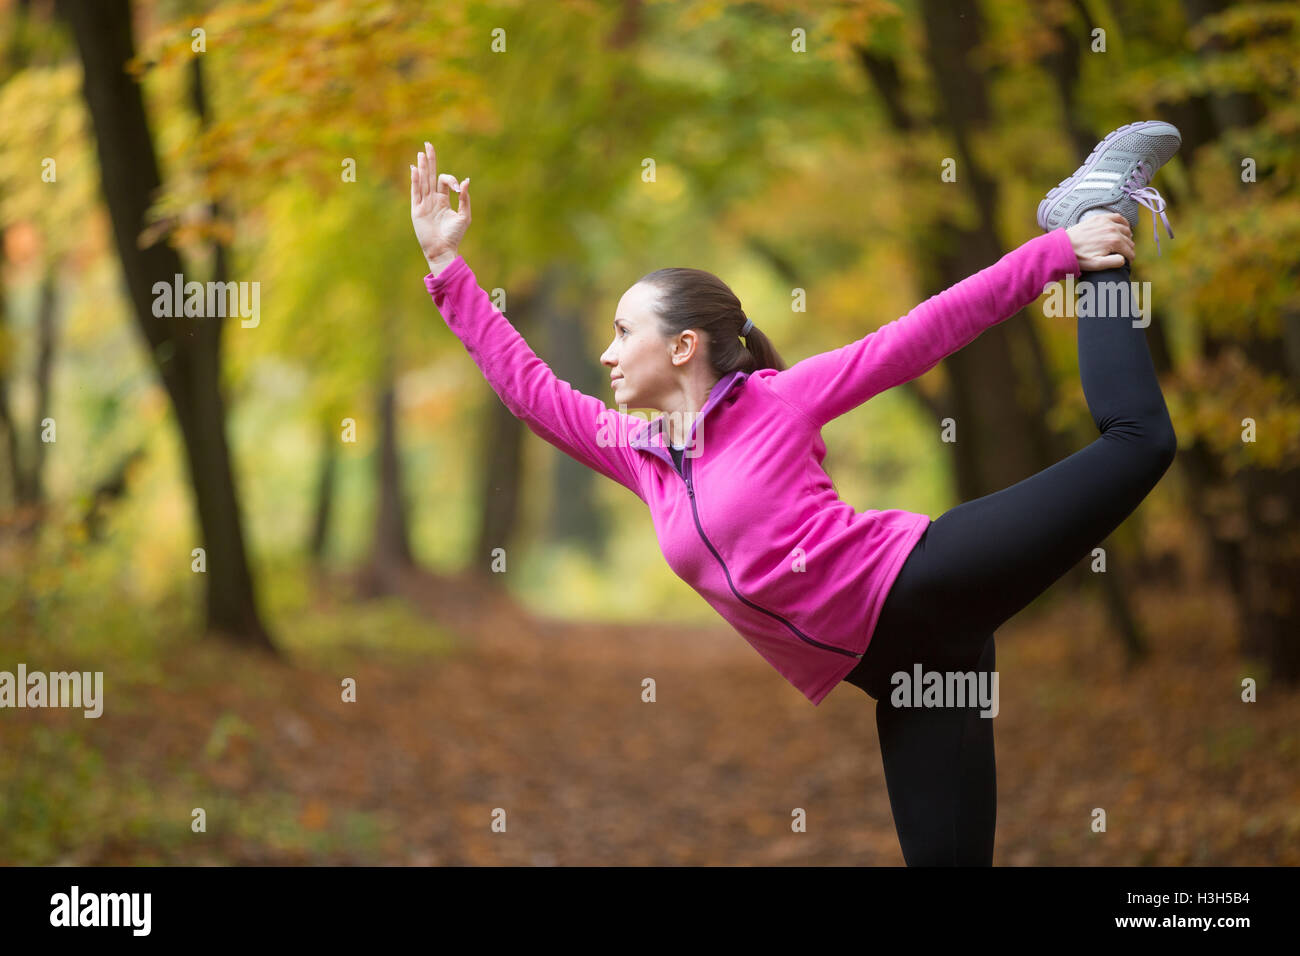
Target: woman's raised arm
{"points": [[580, 425], [827, 385]]}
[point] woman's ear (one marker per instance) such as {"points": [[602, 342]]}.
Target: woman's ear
{"points": [[684, 345]]}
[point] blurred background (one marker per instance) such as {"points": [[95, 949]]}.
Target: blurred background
{"points": [[348, 475]]}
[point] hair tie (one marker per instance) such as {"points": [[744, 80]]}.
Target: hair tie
{"points": [[749, 324]]}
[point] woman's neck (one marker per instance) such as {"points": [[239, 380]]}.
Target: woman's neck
{"points": [[685, 407]]}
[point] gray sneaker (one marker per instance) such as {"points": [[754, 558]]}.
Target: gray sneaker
{"points": [[1114, 178]]}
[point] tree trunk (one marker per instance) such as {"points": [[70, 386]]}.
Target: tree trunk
{"points": [[13, 452], [1251, 515], [1271, 602], [324, 493], [573, 515], [185, 350], [46, 331], [27, 456], [998, 441], [391, 551], [502, 463]]}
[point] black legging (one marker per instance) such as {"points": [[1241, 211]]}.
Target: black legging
{"points": [[983, 561]]}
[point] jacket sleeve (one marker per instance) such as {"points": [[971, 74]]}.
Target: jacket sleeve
{"points": [[827, 385], [578, 424]]}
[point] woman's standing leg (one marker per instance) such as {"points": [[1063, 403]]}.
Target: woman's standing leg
{"points": [[942, 778], [977, 810]]}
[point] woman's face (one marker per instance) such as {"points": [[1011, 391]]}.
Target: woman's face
{"points": [[642, 361]]}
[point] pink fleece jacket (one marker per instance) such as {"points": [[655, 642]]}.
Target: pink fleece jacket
{"points": [[753, 522]]}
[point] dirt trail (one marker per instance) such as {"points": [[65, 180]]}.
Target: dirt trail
{"points": [[544, 720]]}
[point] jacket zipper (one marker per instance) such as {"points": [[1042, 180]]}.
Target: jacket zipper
{"points": [[690, 490]]}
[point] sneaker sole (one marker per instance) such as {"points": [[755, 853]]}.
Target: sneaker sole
{"points": [[1054, 196]]}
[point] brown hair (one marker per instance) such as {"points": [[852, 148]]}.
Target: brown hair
{"points": [[695, 299]]}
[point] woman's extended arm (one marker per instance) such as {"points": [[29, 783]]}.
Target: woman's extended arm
{"points": [[577, 424], [827, 385]]}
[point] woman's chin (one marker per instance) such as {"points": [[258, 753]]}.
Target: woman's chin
{"points": [[624, 397]]}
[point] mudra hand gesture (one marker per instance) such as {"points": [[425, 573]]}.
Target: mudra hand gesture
{"points": [[438, 227]]}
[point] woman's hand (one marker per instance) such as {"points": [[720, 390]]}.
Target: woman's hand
{"points": [[1102, 242], [438, 228]]}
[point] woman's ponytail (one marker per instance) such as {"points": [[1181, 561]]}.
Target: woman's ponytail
{"points": [[760, 347]]}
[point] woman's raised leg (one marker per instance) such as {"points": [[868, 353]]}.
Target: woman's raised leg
{"points": [[984, 560]]}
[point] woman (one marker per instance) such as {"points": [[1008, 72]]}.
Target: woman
{"points": [[744, 512]]}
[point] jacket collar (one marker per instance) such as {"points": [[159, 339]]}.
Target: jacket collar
{"points": [[643, 437]]}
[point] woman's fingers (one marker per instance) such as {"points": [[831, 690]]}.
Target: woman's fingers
{"points": [[425, 181], [1126, 247], [1120, 241], [428, 169], [1104, 242], [448, 182]]}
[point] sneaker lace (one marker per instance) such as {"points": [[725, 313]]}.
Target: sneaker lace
{"points": [[1136, 188]]}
